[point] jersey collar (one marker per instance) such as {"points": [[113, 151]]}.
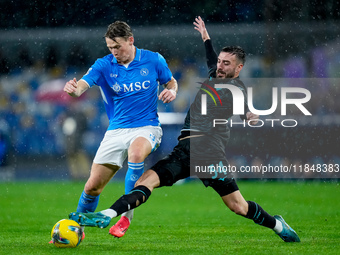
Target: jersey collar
{"points": [[137, 57]]}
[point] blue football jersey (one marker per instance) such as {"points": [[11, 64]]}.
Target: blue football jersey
{"points": [[130, 93]]}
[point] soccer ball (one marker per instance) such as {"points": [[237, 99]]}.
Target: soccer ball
{"points": [[66, 234]]}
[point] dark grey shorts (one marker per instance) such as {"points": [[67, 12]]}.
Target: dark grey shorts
{"points": [[176, 166]]}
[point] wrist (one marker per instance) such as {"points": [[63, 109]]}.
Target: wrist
{"points": [[204, 38], [205, 35], [173, 91]]}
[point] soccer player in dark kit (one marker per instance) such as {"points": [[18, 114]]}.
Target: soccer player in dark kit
{"points": [[200, 143]]}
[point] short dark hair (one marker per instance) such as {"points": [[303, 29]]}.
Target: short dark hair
{"points": [[236, 50], [118, 29]]}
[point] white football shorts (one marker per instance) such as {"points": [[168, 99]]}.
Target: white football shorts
{"points": [[114, 147]]}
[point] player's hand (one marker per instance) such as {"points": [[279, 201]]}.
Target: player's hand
{"points": [[71, 86], [200, 27], [167, 95], [252, 118]]}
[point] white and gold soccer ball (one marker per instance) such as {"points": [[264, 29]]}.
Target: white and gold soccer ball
{"points": [[66, 234]]}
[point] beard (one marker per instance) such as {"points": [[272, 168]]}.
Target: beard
{"points": [[222, 75]]}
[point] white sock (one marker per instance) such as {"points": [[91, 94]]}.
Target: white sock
{"points": [[109, 212], [278, 227], [129, 214]]}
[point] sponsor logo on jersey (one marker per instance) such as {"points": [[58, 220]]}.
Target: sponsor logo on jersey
{"points": [[130, 87], [116, 88], [136, 86]]}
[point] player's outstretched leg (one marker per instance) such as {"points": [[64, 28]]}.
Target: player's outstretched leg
{"points": [[91, 219], [287, 234]]}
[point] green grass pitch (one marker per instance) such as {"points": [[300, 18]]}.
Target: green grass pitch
{"points": [[184, 219]]}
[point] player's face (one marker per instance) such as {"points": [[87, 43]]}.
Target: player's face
{"points": [[122, 49], [228, 66]]}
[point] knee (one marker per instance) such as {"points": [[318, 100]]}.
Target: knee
{"points": [[142, 181], [136, 156], [148, 179], [92, 190]]}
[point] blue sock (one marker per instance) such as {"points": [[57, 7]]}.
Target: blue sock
{"points": [[133, 173], [87, 203]]}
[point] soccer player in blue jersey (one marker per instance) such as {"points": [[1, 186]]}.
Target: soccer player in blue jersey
{"points": [[129, 80]]}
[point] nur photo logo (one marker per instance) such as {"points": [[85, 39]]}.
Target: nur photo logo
{"points": [[286, 97]]}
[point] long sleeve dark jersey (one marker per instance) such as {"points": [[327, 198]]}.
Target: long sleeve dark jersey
{"points": [[219, 102], [211, 57]]}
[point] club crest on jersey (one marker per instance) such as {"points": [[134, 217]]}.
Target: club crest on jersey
{"points": [[144, 71], [116, 88]]}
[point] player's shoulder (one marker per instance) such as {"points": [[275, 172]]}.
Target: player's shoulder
{"points": [[106, 60], [149, 54], [237, 82], [227, 81]]}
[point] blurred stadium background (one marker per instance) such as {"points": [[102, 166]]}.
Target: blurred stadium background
{"points": [[45, 43]]}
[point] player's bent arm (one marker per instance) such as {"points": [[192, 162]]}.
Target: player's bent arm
{"points": [[83, 86], [170, 91], [172, 85], [76, 89]]}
